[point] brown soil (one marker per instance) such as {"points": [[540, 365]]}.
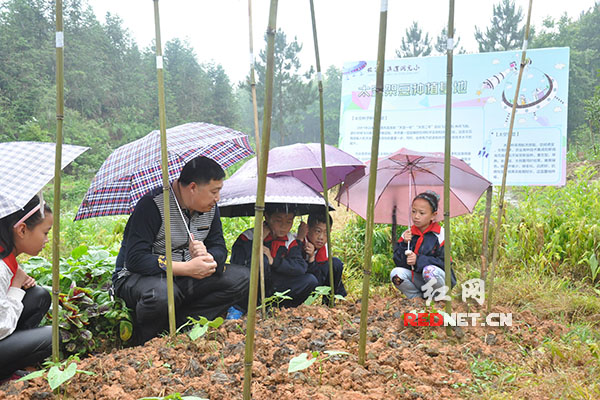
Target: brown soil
{"points": [[402, 363]]}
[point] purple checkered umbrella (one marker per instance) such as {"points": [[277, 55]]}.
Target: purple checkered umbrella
{"points": [[239, 193], [134, 169], [25, 168], [303, 161]]}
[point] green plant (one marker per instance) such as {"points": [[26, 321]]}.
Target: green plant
{"points": [[174, 396], [275, 300], [86, 310], [201, 326], [321, 291], [302, 361], [57, 374]]}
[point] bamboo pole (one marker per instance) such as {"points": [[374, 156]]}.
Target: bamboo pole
{"points": [[498, 231], [57, 176], [257, 139], [259, 206], [447, 155], [165, 170], [486, 231], [323, 161], [364, 307]]}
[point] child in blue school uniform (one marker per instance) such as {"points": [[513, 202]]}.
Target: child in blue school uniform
{"points": [[424, 260], [313, 236], [285, 266]]}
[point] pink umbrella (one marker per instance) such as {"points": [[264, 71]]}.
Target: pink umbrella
{"points": [[406, 173], [303, 161]]}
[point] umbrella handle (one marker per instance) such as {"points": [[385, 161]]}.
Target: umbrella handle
{"points": [[182, 218]]}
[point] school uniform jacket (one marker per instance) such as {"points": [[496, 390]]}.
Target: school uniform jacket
{"points": [[320, 266], [11, 297], [287, 254], [427, 245]]}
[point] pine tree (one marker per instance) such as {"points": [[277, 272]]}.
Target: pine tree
{"points": [[504, 32], [414, 44]]}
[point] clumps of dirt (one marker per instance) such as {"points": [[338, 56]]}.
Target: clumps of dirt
{"points": [[401, 362]]}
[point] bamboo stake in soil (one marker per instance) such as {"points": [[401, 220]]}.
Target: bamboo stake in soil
{"points": [[258, 233], [259, 206], [165, 170], [57, 176], [498, 231], [364, 307], [486, 231], [323, 161], [447, 154]]}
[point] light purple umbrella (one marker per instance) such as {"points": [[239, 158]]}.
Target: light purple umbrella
{"points": [[134, 169], [406, 173], [303, 161], [239, 193]]}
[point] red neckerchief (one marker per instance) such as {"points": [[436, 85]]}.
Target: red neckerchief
{"points": [[11, 261], [321, 255], [433, 227], [276, 243]]}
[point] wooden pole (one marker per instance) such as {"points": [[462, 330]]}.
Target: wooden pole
{"points": [[257, 242], [165, 170], [57, 177], [364, 307], [447, 155], [486, 230], [258, 233], [323, 161], [498, 231]]}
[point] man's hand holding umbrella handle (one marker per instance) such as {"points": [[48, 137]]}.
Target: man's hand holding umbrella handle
{"points": [[197, 248]]}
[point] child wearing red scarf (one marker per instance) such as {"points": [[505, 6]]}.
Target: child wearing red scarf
{"points": [[22, 303], [285, 267], [313, 236], [423, 261]]}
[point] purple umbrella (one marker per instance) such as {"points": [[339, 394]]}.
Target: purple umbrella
{"points": [[406, 173], [134, 169], [303, 161], [239, 193]]}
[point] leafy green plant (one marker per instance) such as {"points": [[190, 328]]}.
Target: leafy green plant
{"points": [[303, 361], [321, 291], [86, 310], [276, 299], [174, 396], [201, 326], [57, 374]]}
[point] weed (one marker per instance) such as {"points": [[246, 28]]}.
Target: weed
{"points": [[321, 291], [302, 361], [58, 374]]}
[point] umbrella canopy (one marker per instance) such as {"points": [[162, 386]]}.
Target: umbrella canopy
{"points": [[26, 167], [239, 194], [406, 173], [303, 161], [134, 169]]}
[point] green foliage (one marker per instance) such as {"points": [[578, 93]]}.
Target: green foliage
{"points": [[272, 302], [348, 244], [88, 317], [174, 396], [504, 32], [414, 44], [294, 91], [302, 361], [58, 373], [321, 291], [200, 326]]}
